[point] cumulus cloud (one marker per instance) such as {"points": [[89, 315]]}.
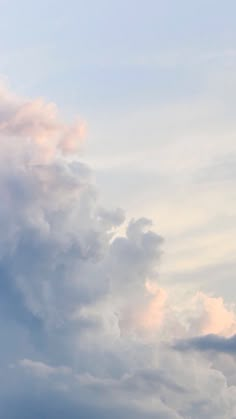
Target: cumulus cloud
{"points": [[212, 316], [84, 320]]}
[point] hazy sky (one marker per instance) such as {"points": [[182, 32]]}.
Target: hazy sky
{"points": [[112, 114]]}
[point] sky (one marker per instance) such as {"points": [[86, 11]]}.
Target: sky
{"points": [[118, 209]]}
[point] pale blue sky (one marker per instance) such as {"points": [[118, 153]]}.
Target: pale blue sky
{"points": [[103, 54]]}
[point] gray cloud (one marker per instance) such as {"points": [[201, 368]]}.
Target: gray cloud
{"points": [[209, 343]]}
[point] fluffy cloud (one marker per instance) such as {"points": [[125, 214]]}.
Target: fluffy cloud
{"points": [[37, 124], [214, 317], [84, 322]]}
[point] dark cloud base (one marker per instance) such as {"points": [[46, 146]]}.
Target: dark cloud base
{"points": [[208, 343]]}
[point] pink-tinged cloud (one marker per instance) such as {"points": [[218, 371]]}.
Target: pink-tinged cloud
{"points": [[69, 143], [214, 317], [152, 316], [38, 123], [146, 315]]}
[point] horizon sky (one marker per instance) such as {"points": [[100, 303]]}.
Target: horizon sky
{"points": [[118, 209]]}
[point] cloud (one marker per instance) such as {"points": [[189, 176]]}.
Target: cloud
{"points": [[167, 389], [37, 123], [209, 343], [84, 322], [214, 317], [146, 317], [41, 369], [153, 315]]}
